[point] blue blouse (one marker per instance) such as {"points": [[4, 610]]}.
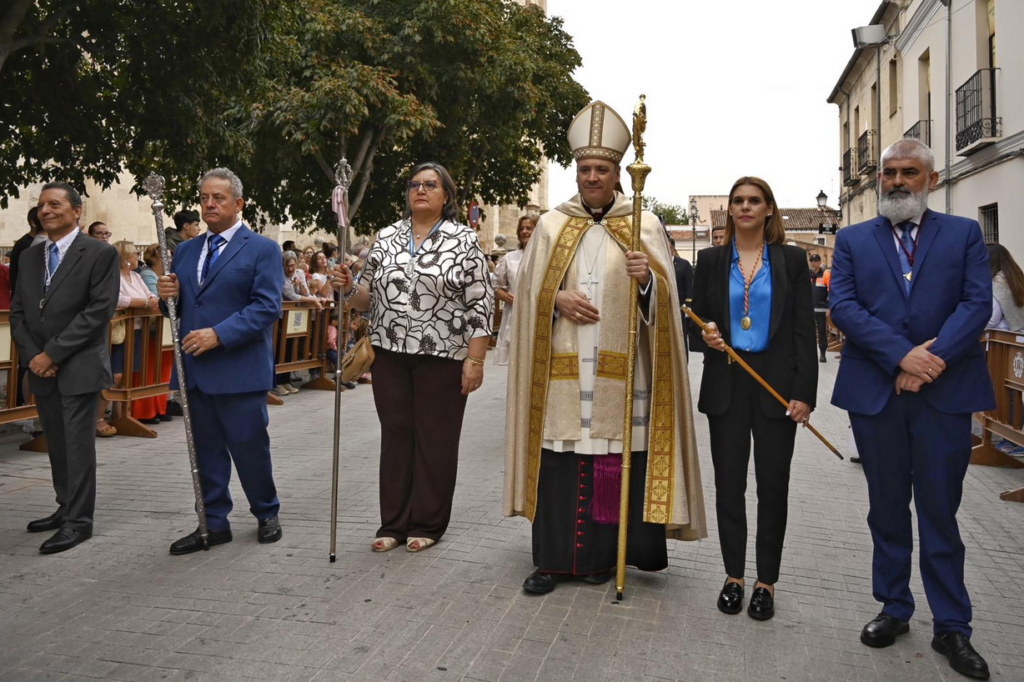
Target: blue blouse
{"points": [[755, 339]]}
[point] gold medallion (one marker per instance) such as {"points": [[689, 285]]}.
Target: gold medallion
{"points": [[746, 322], [909, 275]]}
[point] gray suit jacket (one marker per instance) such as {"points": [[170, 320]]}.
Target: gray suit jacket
{"points": [[71, 321]]}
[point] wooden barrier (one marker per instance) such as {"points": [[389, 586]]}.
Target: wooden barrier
{"points": [[1005, 355], [300, 343]]}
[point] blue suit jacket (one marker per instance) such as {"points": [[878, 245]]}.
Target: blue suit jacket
{"points": [[241, 300], [951, 300]]}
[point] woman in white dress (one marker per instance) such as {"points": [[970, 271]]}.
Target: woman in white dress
{"points": [[505, 284]]}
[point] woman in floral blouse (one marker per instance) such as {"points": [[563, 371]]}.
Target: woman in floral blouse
{"points": [[428, 290]]}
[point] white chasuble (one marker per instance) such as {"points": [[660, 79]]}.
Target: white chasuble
{"points": [[595, 255]]}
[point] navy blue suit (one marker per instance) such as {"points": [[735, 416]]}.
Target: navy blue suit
{"points": [[914, 443], [227, 386]]}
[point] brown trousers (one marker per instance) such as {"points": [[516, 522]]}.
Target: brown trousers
{"points": [[420, 406]]}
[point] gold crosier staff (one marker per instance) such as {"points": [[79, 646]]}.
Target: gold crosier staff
{"points": [[638, 171], [339, 202]]}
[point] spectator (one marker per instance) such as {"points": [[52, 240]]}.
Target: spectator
{"points": [[505, 275], [1007, 290], [294, 289], [35, 230], [152, 266], [820, 280], [155, 409], [100, 231], [186, 226], [307, 254], [287, 245], [318, 283], [717, 236], [332, 340], [330, 250]]}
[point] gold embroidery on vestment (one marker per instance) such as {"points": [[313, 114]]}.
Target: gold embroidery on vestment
{"points": [[612, 365], [565, 367]]}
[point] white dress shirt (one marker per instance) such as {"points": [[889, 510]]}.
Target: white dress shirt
{"points": [[63, 244], [913, 232], [226, 234]]}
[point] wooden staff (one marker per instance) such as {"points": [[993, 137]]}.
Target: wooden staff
{"points": [[750, 370], [638, 171]]}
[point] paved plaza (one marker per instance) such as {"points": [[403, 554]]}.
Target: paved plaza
{"points": [[119, 607]]}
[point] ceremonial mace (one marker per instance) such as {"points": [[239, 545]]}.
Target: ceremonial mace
{"points": [[750, 370], [638, 171], [154, 187], [339, 199]]}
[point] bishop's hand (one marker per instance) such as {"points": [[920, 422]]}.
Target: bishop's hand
{"points": [[638, 267], [574, 305]]}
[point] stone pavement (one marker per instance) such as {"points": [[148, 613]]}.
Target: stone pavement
{"points": [[120, 608]]}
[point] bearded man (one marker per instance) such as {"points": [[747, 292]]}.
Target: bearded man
{"points": [[567, 372], [912, 291]]}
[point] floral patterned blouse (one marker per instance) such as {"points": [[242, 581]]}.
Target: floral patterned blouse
{"points": [[432, 304]]}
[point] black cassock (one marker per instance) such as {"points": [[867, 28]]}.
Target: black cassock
{"points": [[566, 539]]}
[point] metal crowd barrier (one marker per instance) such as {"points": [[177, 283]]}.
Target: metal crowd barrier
{"points": [[1005, 355], [300, 343]]}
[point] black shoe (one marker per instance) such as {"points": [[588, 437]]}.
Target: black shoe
{"points": [[349, 384], [855, 460], [823, 357], [598, 578], [956, 646], [730, 599], [762, 604], [165, 417], [882, 631], [151, 420], [174, 409], [269, 531], [52, 522], [542, 583], [193, 542], [65, 539]]}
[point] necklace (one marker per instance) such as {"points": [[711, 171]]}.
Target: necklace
{"points": [[591, 266], [746, 322], [410, 267]]}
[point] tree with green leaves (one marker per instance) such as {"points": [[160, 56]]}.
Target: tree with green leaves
{"points": [[91, 87], [483, 87], [673, 214]]}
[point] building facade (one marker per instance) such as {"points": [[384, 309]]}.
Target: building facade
{"points": [[946, 79], [870, 115]]}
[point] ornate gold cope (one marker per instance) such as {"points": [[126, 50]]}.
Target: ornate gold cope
{"points": [[638, 171]]}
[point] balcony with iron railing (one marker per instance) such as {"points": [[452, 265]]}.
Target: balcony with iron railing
{"points": [[849, 178], [977, 125], [921, 131], [867, 155]]}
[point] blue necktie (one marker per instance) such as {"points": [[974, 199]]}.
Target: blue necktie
{"points": [[908, 247], [212, 251], [54, 260]]}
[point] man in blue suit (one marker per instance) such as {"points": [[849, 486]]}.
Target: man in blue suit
{"points": [[228, 287], [912, 292]]}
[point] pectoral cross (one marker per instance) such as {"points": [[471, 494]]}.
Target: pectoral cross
{"points": [[592, 360], [591, 281]]}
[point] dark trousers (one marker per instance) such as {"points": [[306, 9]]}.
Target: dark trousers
{"points": [[69, 422], [822, 324], [773, 454], [566, 539], [420, 406], [910, 449], [233, 427]]}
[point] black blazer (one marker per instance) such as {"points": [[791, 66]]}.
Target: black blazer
{"points": [[790, 364], [73, 322]]}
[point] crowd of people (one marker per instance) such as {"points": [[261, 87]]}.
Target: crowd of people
{"points": [[910, 298]]}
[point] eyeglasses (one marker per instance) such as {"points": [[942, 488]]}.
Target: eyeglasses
{"points": [[102, 234], [429, 185]]}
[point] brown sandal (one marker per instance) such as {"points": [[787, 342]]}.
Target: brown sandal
{"points": [[105, 432]]}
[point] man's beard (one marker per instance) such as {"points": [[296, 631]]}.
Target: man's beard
{"points": [[900, 205]]}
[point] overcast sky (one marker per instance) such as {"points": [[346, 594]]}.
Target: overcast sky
{"points": [[734, 87]]}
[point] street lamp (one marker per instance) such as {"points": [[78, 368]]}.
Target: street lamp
{"points": [[822, 200], [694, 217]]}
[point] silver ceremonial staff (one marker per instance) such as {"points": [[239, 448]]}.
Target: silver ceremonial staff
{"points": [[154, 187], [638, 171], [339, 201]]}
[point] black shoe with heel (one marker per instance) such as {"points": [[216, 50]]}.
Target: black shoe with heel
{"points": [[762, 604], [730, 599]]}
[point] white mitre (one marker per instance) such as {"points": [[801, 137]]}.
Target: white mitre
{"points": [[599, 132]]}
